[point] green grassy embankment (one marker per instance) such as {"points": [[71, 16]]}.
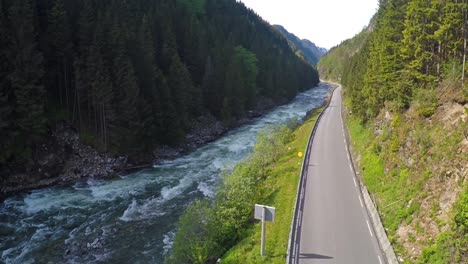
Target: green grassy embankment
{"points": [[281, 189], [413, 168]]}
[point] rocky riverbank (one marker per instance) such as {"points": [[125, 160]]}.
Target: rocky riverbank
{"points": [[62, 158]]}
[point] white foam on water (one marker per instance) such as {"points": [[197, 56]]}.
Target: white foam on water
{"points": [[11, 255], [218, 164], [168, 241], [99, 258], [169, 193], [148, 209], [121, 188], [206, 190], [131, 212], [46, 200], [237, 146]]}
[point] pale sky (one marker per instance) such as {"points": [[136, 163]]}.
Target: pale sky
{"points": [[325, 22]]}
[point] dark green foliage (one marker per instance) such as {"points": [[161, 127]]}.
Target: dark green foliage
{"points": [[136, 74], [240, 82], [196, 232], [411, 46], [22, 92]]}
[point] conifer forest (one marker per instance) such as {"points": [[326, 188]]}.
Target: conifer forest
{"points": [[131, 75]]}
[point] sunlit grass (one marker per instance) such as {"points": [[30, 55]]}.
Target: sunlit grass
{"points": [[280, 188]]}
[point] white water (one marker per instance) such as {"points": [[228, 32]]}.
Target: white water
{"points": [[131, 219]]}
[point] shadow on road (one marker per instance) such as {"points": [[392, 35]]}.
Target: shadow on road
{"points": [[314, 256]]}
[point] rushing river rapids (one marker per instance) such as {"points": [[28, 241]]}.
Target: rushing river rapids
{"points": [[131, 219]]}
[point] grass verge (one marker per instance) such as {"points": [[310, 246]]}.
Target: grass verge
{"points": [[404, 167], [281, 188]]}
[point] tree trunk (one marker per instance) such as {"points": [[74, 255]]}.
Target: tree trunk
{"points": [[104, 129], [439, 59], [65, 86], [463, 68], [80, 120]]}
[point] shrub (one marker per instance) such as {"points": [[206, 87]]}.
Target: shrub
{"points": [[426, 102]]}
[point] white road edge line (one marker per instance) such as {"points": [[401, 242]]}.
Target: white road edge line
{"points": [[355, 183], [380, 260], [360, 201], [368, 226], [350, 167]]}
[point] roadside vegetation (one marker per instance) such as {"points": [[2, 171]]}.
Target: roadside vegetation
{"points": [[225, 226], [412, 171], [407, 113]]}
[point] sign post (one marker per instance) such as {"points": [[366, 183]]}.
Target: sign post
{"points": [[266, 214]]}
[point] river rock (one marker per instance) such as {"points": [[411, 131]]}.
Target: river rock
{"points": [[62, 158]]}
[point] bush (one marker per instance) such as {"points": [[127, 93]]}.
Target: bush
{"points": [[194, 241], [461, 218], [426, 102]]}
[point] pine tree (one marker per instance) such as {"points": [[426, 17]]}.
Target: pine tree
{"points": [[25, 78], [210, 92], [381, 81], [248, 64], [7, 131], [182, 88], [173, 131], [419, 43], [60, 54], [126, 93]]}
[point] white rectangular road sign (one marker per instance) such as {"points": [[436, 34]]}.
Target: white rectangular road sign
{"points": [[269, 212]]}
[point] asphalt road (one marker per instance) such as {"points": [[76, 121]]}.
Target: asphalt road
{"points": [[335, 227]]}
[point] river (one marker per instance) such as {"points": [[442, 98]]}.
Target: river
{"points": [[131, 219]]}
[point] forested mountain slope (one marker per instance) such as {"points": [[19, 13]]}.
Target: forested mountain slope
{"points": [[332, 65], [407, 97], [305, 48], [132, 75]]}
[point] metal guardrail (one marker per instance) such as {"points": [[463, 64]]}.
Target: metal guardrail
{"points": [[294, 234]]}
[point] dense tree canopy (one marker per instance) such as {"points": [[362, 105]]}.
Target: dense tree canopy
{"points": [[135, 74], [412, 46]]}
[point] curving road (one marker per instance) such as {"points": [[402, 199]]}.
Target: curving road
{"points": [[335, 227]]}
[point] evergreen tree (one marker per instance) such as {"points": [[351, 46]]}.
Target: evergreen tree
{"points": [[6, 94], [182, 89], [26, 75], [59, 58], [419, 43], [126, 95]]}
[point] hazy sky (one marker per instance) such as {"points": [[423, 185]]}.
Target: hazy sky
{"points": [[324, 22]]}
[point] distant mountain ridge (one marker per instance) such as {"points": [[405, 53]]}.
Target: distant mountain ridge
{"points": [[311, 52]]}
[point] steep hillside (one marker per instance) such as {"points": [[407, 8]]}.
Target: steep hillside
{"points": [[406, 95], [332, 65], [306, 48], [131, 76]]}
